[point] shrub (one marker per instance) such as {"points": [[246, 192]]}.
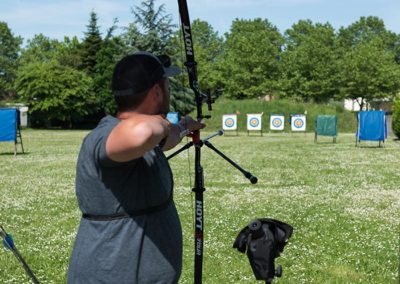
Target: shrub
{"points": [[396, 116]]}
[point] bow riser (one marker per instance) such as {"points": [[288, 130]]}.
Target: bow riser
{"points": [[199, 178], [190, 63]]}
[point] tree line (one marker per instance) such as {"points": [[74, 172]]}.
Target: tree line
{"points": [[67, 82]]}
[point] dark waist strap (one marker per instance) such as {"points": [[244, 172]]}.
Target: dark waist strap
{"points": [[129, 214]]}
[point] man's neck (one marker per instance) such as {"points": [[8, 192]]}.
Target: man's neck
{"points": [[126, 114]]}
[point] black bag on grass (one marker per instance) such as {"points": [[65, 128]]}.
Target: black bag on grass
{"points": [[264, 240]]}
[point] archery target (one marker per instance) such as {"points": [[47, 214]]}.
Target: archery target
{"points": [[254, 121], [229, 122], [298, 123], [277, 122]]}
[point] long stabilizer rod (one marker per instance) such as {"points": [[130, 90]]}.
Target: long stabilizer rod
{"points": [[248, 175]]}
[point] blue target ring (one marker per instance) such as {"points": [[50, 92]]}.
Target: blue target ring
{"points": [[277, 122], [298, 123], [254, 122], [229, 122]]}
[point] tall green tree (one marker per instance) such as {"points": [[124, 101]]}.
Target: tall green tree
{"points": [[208, 47], [111, 51], [396, 48], [43, 49], [69, 52], [151, 30], [364, 30], [39, 49], [369, 65], [310, 62], [396, 116], [91, 45], [251, 59], [49, 82], [54, 92], [9, 48], [182, 97], [367, 29], [369, 72]]}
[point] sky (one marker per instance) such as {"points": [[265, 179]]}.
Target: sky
{"points": [[58, 18]]}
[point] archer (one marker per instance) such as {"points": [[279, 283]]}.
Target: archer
{"points": [[130, 230]]}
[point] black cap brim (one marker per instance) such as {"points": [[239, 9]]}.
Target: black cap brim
{"points": [[172, 71]]}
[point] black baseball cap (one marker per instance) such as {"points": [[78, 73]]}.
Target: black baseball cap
{"points": [[139, 71]]}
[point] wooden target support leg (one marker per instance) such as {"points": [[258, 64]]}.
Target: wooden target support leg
{"points": [[18, 137], [20, 140]]}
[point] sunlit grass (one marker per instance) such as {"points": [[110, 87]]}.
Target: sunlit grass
{"points": [[343, 202]]}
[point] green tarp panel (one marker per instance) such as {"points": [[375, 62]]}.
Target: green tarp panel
{"points": [[326, 125]]}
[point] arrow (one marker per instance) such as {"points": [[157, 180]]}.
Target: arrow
{"points": [[8, 243]]}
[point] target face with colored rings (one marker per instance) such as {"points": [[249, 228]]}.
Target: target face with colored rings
{"points": [[229, 122], [254, 122], [298, 123], [277, 122]]}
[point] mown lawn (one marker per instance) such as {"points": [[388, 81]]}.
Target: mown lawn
{"points": [[343, 202]]}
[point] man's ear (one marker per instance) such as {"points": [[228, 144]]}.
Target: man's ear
{"points": [[154, 92], [157, 90]]}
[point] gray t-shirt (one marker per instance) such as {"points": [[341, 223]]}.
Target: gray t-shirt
{"points": [[140, 249]]}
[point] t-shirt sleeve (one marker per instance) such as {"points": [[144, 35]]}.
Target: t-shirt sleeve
{"points": [[101, 153]]}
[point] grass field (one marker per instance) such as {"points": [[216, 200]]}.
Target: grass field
{"points": [[343, 202]]}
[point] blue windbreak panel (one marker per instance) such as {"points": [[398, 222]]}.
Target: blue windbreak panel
{"points": [[372, 125], [8, 124]]}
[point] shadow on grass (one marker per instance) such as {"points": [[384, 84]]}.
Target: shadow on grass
{"points": [[325, 143], [12, 154], [370, 146]]}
